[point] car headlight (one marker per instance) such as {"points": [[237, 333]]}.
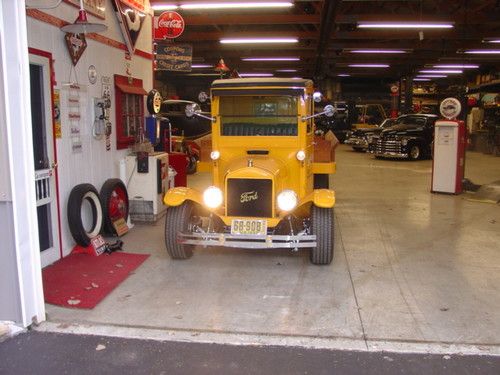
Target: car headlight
{"points": [[404, 141], [212, 197], [301, 155], [214, 155], [287, 200]]}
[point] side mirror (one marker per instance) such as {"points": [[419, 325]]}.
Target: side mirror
{"points": [[195, 110], [317, 97], [329, 111], [202, 96]]}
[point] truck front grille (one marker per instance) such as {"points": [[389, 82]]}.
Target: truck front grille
{"points": [[385, 145], [249, 197]]}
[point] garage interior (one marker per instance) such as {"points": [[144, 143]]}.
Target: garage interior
{"points": [[413, 271]]}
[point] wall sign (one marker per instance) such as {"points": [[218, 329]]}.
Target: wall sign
{"points": [[130, 20], [76, 44], [168, 25], [174, 57], [94, 7]]}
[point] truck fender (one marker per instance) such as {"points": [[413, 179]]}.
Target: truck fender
{"points": [[178, 195], [323, 198]]}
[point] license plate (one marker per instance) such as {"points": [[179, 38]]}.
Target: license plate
{"points": [[258, 227]]}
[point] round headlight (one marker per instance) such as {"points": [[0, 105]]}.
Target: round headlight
{"points": [[301, 155], [212, 197], [287, 200], [404, 142], [214, 155]]}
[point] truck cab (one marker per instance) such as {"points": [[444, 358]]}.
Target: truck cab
{"points": [[265, 190]]}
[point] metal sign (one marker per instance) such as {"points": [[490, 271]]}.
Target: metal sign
{"points": [[168, 25], [174, 57], [450, 108]]}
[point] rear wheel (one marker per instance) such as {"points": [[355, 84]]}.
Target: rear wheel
{"points": [[179, 219], [322, 225]]}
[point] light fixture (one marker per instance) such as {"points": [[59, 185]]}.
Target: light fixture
{"points": [[405, 25], [256, 75], [270, 58], [82, 25], [442, 71], [343, 75], [457, 66], [432, 76], [482, 51], [164, 6], [384, 51], [198, 66], [491, 40], [286, 70], [368, 65], [257, 40], [421, 79], [237, 5]]}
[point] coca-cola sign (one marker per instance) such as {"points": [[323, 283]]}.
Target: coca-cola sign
{"points": [[168, 25]]}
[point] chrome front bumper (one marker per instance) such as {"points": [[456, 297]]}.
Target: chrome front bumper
{"points": [[247, 241], [356, 142], [394, 155]]}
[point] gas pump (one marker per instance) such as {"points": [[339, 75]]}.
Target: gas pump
{"points": [[449, 149]]}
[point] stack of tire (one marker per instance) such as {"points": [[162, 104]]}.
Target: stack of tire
{"points": [[107, 206]]}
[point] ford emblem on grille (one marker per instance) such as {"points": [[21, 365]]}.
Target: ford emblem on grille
{"points": [[249, 196]]}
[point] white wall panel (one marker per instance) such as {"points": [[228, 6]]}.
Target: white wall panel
{"points": [[94, 164]]}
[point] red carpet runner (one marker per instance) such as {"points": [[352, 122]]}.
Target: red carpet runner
{"points": [[82, 281]]}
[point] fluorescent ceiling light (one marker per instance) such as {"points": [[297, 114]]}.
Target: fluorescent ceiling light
{"points": [[431, 76], [483, 51], [441, 71], [376, 51], [164, 6], [422, 79], [343, 75], [368, 65], [257, 40], [256, 74], [238, 5], [201, 66], [457, 66], [491, 40], [286, 70], [405, 25], [270, 58]]}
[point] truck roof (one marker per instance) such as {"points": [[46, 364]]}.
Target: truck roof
{"points": [[262, 82]]}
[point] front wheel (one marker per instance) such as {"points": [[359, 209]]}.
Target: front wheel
{"points": [[179, 219], [414, 153], [322, 225]]}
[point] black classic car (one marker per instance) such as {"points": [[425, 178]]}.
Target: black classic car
{"points": [[359, 139], [410, 138]]}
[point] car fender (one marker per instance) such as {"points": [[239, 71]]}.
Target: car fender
{"points": [[323, 198], [178, 195]]}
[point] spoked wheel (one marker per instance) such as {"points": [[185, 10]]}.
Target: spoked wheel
{"points": [[177, 220], [414, 153], [322, 225], [115, 203]]}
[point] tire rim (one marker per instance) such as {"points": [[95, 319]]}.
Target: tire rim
{"points": [[95, 204], [117, 207], [414, 152]]}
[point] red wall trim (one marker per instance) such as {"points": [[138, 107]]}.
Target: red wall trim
{"points": [[48, 55], [55, 21]]}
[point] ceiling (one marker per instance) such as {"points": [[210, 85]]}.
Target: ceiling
{"points": [[327, 30]]}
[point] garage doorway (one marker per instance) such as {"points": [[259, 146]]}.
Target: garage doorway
{"points": [[44, 156]]}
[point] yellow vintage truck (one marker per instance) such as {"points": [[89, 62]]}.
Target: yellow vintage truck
{"points": [[267, 190]]}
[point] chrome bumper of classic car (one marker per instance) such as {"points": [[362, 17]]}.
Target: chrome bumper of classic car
{"points": [[390, 149], [356, 142], [247, 241]]}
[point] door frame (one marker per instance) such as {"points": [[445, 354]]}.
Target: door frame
{"points": [[50, 106]]}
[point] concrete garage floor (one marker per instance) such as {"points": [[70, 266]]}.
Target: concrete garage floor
{"points": [[412, 271]]}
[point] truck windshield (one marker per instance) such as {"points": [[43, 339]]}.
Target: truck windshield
{"points": [[270, 115]]}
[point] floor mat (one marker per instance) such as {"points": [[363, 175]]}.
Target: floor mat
{"points": [[82, 280]]}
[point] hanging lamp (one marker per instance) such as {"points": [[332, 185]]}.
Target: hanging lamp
{"points": [[82, 25]]}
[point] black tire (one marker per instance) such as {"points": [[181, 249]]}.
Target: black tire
{"points": [[77, 196], [192, 164], [321, 181], [358, 149], [414, 152], [115, 203], [322, 225], [178, 219]]}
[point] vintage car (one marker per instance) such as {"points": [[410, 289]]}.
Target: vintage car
{"points": [[411, 138], [265, 190], [360, 139], [367, 115]]}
